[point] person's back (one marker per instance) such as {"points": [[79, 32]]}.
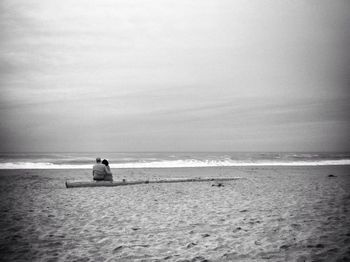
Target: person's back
{"points": [[109, 175], [99, 170]]}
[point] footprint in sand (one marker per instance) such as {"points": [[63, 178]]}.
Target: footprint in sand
{"points": [[236, 229], [191, 245], [284, 247], [302, 259], [296, 226], [199, 259], [316, 246]]}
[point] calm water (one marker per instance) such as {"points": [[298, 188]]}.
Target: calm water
{"points": [[168, 159]]}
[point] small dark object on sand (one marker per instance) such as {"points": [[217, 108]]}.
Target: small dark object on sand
{"points": [[218, 185], [117, 249], [331, 175]]}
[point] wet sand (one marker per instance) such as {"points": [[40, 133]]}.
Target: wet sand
{"points": [[272, 214]]}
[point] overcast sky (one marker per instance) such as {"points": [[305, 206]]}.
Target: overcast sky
{"points": [[175, 75]]}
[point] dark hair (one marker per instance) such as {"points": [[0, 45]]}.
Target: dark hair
{"points": [[105, 162]]}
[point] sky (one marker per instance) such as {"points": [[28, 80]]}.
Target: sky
{"points": [[174, 75]]}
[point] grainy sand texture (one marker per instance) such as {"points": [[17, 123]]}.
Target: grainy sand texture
{"points": [[271, 214]]}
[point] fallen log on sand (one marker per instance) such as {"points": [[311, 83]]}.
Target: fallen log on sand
{"points": [[70, 184]]}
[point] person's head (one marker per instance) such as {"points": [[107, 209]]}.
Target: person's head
{"points": [[105, 162], [98, 160]]}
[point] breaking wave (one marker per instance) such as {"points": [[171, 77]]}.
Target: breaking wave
{"points": [[175, 164]]}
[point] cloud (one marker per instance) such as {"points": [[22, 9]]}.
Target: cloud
{"points": [[173, 75]]}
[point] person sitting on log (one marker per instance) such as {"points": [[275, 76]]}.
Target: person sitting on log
{"points": [[108, 176], [99, 170]]}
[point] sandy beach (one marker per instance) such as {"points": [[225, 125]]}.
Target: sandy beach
{"points": [[271, 214]]}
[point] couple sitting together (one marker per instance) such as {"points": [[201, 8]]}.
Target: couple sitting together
{"points": [[101, 171]]}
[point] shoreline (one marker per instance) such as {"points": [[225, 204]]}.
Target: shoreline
{"points": [[49, 166]]}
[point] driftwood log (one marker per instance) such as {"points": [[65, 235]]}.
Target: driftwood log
{"points": [[71, 184]]}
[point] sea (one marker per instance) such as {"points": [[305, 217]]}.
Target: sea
{"points": [[81, 160]]}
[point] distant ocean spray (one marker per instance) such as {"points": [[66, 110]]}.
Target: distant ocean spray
{"points": [[168, 160]]}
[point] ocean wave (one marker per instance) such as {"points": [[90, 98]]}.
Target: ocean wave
{"points": [[175, 164], [42, 165]]}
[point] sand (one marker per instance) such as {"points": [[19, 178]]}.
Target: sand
{"points": [[272, 214]]}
